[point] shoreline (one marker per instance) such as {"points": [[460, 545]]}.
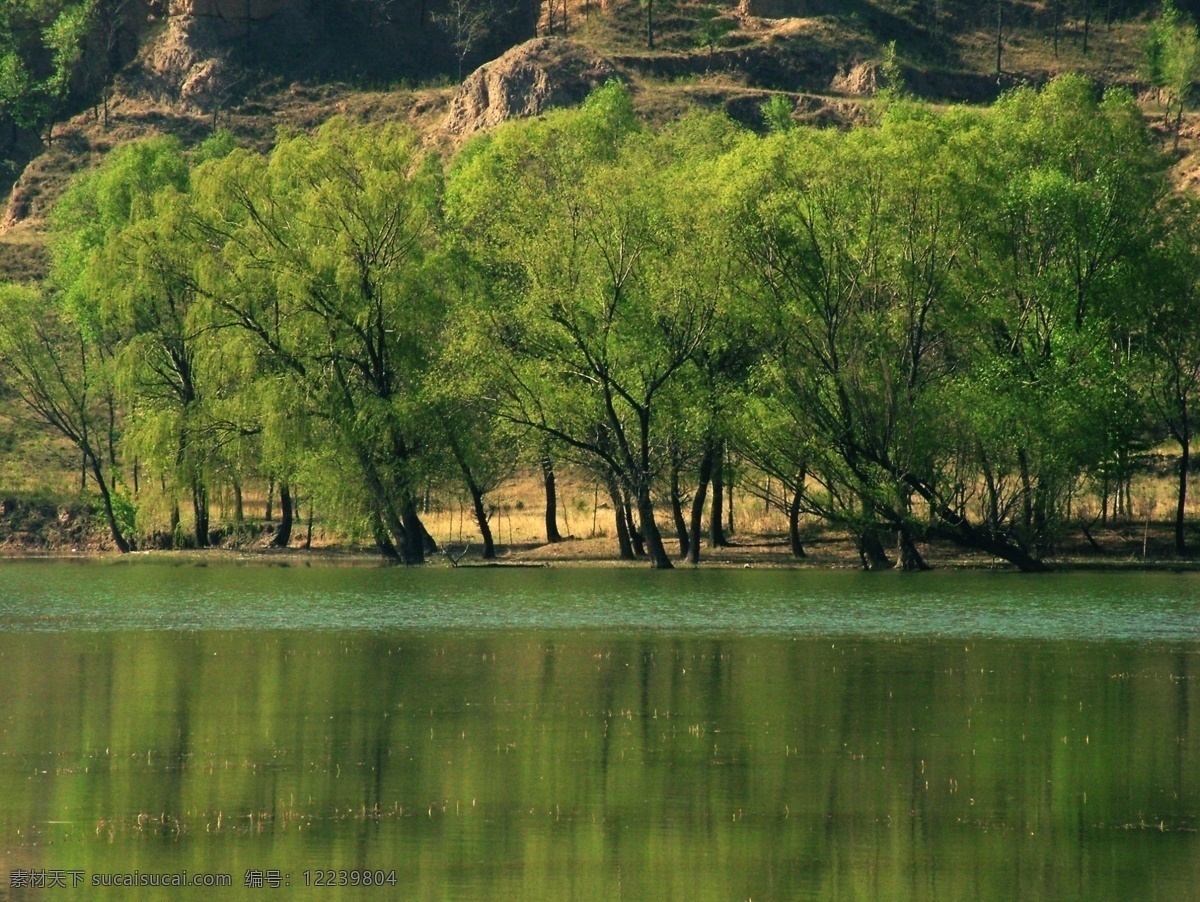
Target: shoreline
{"points": [[829, 551]]}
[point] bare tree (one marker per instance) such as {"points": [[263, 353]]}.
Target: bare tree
{"points": [[467, 23]]}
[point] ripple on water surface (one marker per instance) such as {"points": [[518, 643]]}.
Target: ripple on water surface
{"points": [[41, 596]]}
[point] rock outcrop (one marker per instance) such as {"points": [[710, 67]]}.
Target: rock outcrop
{"points": [[860, 80], [785, 9], [209, 46], [229, 10], [527, 80]]}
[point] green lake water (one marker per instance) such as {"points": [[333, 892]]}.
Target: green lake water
{"points": [[598, 733]]}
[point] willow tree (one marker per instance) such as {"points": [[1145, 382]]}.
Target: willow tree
{"points": [[1070, 186], [851, 241], [944, 292], [600, 304], [325, 254], [55, 372], [1170, 332], [125, 264]]}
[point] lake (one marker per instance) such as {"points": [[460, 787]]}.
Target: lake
{"points": [[597, 733]]}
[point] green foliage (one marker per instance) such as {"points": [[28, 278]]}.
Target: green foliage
{"points": [[323, 257], [943, 295], [777, 113], [216, 146], [710, 28], [893, 76], [42, 48], [944, 321], [1171, 60]]}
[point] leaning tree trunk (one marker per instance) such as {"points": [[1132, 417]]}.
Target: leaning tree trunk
{"points": [[383, 542], [114, 528], [481, 518], [618, 504], [413, 550], [871, 552], [283, 532], [635, 533], [907, 556], [659, 559]]}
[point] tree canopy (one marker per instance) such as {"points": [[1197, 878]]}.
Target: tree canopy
{"points": [[941, 324]]}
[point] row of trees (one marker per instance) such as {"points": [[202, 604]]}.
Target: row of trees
{"points": [[938, 325]]}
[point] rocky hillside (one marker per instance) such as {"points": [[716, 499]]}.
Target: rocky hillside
{"points": [[253, 66]]}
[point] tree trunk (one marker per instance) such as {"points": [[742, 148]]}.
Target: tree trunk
{"points": [[705, 476], [871, 552], [283, 534], [635, 533], [659, 559], [1026, 490], [1180, 507], [907, 556], [729, 484], [650, 24], [270, 496], [1041, 519], [681, 528], [431, 545], [552, 533], [794, 518], [999, 38], [618, 504], [716, 528], [239, 513], [200, 512], [177, 538], [481, 518], [413, 550], [383, 541], [114, 527]]}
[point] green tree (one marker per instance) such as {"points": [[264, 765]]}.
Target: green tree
{"points": [[1171, 364], [326, 255], [1173, 61], [852, 242], [53, 369], [127, 266], [1070, 182], [600, 306]]}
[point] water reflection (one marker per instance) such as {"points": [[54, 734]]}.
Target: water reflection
{"points": [[528, 764]]}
